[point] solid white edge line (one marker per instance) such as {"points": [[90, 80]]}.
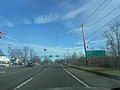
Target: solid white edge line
{"points": [[23, 84], [75, 77]]}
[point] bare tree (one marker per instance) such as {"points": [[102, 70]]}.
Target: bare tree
{"points": [[20, 54], [32, 54], [26, 52], [36, 59], [113, 41], [12, 53]]}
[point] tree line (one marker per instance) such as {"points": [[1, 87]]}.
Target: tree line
{"points": [[23, 54], [112, 59]]}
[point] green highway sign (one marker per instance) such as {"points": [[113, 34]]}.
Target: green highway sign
{"points": [[95, 53], [50, 56], [57, 55]]}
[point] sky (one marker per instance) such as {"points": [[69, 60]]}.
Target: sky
{"points": [[54, 25]]}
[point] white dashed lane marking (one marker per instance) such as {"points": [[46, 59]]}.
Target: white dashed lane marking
{"points": [[23, 84]]}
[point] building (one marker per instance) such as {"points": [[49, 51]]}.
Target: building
{"points": [[4, 61]]}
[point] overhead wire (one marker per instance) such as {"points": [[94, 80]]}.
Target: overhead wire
{"points": [[104, 16], [100, 35], [95, 11], [103, 26], [102, 8], [76, 39]]}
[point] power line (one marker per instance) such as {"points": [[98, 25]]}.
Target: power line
{"points": [[95, 37], [99, 11], [100, 35], [95, 11], [105, 16], [103, 26]]}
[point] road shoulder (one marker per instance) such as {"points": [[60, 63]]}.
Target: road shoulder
{"points": [[92, 79]]}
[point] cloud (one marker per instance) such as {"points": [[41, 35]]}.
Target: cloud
{"points": [[6, 24], [45, 19], [41, 19], [63, 3], [74, 13], [27, 21], [9, 24], [76, 31]]}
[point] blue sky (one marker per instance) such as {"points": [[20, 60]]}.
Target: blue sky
{"points": [[52, 24]]}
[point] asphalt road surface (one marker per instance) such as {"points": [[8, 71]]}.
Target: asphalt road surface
{"points": [[51, 76]]}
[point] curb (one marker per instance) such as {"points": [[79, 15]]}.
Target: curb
{"points": [[98, 73]]}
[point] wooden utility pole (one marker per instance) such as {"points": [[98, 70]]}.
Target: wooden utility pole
{"points": [[86, 59]]}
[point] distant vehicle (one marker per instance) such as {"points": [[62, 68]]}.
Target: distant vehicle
{"points": [[29, 64], [20, 63]]}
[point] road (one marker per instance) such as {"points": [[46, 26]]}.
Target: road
{"points": [[51, 76]]}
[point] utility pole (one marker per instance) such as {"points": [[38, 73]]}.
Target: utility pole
{"points": [[86, 59], [10, 48], [67, 56]]}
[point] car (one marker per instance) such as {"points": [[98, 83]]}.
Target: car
{"points": [[30, 64]]}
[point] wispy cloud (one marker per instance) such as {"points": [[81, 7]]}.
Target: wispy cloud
{"points": [[63, 3], [6, 24], [9, 24], [73, 13], [27, 21], [76, 31], [41, 19], [45, 19]]}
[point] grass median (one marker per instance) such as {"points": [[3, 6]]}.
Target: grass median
{"points": [[111, 71]]}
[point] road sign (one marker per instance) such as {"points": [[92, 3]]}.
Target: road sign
{"points": [[57, 55], [50, 56], [95, 53]]}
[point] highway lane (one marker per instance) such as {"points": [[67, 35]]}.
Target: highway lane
{"points": [[11, 69], [11, 79], [52, 76]]}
